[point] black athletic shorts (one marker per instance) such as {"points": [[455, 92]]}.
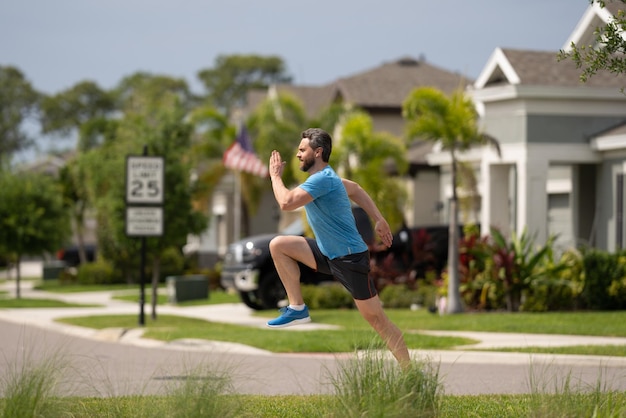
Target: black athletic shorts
{"points": [[352, 271]]}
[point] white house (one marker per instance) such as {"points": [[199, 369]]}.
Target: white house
{"points": [[563, 145]]}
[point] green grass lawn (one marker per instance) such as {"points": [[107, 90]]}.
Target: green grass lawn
{"points": [[298, 406], [39, 303], [215, 297], [10, 302], [572, 323], [355, 333], [55, 286], [585, 350]]}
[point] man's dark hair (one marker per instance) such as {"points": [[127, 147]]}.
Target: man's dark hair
{"points": [[319, 138]]}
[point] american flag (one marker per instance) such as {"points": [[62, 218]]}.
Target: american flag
{"points": [[240, 156]]}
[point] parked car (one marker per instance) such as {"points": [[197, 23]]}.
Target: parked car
{"points": [[70, 255], [248, 267]]}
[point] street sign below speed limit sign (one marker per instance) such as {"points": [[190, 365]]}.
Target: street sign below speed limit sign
{"points": [[144, 180]]}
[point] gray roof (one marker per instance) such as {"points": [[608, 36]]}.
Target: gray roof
{"points": [[314, 98], [389, 84], [543, 68], [385, 86]]}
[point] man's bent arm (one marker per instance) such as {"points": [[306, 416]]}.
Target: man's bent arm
{"points": [[286, 199], [361, 198], [289, 199]]}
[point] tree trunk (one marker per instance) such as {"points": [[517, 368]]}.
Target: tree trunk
{"points": [[156, 272], [18, 277], [454, 296], [454, 282], [82, 254]]}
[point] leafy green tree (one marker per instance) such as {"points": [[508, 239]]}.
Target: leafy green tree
{"points": [[276, 124], [18, 101], [215, 123], [33, 220], [232, 76], [607, 51], [78, 110], [76, 199], [155, 115], [212, 134], [369, 158], [452, 122], [148, 94], [87, 110]]}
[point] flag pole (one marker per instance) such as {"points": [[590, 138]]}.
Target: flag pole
{"points": [[240, 157], [238, 117], [237, 207]]}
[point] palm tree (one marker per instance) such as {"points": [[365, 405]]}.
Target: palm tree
{"points": [[367, 157], [453, 123]]}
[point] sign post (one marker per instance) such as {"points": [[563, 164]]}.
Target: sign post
{"points": [[144, 207]]}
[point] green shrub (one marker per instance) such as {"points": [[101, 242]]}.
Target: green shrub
{"points": [[560, 288], [400, 296], [549, 297], [327, 296], [98, 272], [604, 287], [515, 273]]}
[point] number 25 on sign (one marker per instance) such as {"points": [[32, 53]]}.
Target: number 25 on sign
{"points": [[144, 180]]}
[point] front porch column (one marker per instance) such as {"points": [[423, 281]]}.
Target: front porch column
{"points": [[495, 210], [532, 202]]}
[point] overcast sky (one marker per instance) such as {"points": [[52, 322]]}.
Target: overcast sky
{"points": [[58, 43]]}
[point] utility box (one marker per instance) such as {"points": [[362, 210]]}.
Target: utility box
{"points": [[53, 269], [191, 287]]}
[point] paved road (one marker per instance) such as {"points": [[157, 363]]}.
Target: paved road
{"points": [[118, 362], [102, 368]]}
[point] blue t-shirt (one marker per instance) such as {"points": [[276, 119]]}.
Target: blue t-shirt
{"points": [[330, 215]]}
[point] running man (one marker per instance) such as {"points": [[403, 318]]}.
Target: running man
{"points": [[338, 248]]}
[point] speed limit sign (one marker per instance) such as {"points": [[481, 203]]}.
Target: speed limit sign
{"points": [[144, 180]]}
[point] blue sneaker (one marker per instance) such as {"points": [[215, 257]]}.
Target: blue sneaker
{"points": [[290, 317]]}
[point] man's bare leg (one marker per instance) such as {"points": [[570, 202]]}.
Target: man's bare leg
{"points": [[286, 251], [372, 311]]}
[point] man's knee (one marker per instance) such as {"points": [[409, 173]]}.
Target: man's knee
{"points": [[293, 247], [277, 244]]}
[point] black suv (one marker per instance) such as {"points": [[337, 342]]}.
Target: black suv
{"points": [[248, 267], [71, 257]]}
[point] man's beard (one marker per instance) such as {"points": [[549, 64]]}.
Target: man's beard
{"points": [[307, 164]]}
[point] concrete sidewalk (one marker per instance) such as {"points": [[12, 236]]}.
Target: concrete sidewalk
{"points": [[234, 313]]}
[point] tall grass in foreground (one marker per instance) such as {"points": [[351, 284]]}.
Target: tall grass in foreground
{"points": [[29, 388], [366, 386], [556, 395], [202, 394], [370, 386]]}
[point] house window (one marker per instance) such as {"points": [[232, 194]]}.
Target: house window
{"points": [[619, 211]]}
